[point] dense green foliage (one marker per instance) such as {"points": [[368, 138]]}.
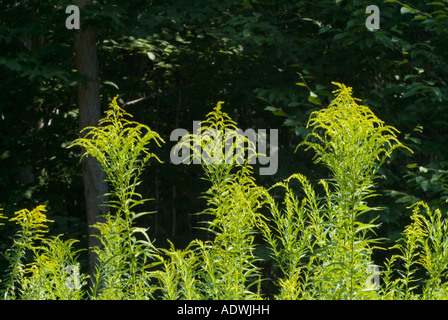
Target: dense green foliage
{"points": [[273, 63]]}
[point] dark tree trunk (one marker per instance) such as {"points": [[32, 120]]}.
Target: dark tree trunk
{"points": [[89, 115]]}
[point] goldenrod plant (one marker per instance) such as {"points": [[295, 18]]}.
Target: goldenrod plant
{"points": [[121, 147], [318, 234], [296, 227], [55, 272], [322, 247], [352, 142], [179, 278], [224, 267], [424, 244], [233, 201], [32, 225]]}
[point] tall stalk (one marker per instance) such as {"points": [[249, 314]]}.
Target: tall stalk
{"points": [[333, 250], [229, 268], [353, 143], [121, 147]]}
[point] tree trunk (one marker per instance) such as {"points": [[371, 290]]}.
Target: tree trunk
{"points": [[89, 104]]}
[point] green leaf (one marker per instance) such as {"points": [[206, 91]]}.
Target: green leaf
{"points": [[275, 111], [423, 169], [406, 199], [314, 99], [300, 131], [436, 3], [324, 29], [151, 56], [420, 17], [339, 36], [11, 64], [110, 83], [406, 9], [291, 122], [425, 185]]}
